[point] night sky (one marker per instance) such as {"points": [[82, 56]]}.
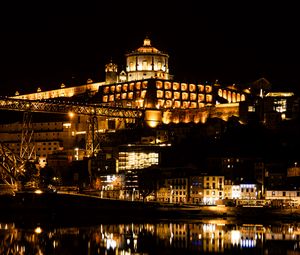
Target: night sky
{"points": [[46, 44]]}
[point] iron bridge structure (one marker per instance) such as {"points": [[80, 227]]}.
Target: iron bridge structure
{"points": [[12, 166]]}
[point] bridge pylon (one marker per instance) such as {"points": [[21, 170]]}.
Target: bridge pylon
{"points": [[11, 167], [27, 148], [92, 136]]}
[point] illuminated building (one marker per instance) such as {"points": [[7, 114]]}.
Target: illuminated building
{"points": [[213, 189], [248, 191], [137, 156], [48, 138], [196, 189], [147, 84], [283, 197], [147, 62], [272, 108]]}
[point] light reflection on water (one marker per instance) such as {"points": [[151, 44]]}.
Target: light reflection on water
{"points": [[211, 236]]}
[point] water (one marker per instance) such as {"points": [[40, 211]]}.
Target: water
{"points": [[214, 236]]}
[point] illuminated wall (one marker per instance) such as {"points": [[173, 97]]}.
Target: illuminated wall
{"points": [[178, 102], [62, 92]]}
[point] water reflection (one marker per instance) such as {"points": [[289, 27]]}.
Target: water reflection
{"points": [[214, 236]]}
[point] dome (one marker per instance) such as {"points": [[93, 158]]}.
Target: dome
{"points": [[147, 48]]}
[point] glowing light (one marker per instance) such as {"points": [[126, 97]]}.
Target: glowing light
{"points": [[38, 230], [71, 114], [235, 237], [38, 191]]}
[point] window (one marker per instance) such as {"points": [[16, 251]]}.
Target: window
{"points": [[283, 193], [145, 65]]}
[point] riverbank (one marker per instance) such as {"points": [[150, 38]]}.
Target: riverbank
{"points": [[78, 207]]}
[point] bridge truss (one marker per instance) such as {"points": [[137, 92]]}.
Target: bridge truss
{"points": [[64, 107], [12, 166]]}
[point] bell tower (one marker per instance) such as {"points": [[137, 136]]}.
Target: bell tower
{"points": [[111, 73]]}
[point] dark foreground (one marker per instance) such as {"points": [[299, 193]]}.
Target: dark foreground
{"points": [[64, 208]]}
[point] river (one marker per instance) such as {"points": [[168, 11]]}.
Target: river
{"points": [[208, 236]]}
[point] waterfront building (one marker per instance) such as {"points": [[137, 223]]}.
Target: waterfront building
{"points": [[213, 189], [196, 189], [283, 197], [173, 190]]}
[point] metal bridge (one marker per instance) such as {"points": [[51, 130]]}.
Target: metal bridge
{"points": [[12, 166], [64, 107]]}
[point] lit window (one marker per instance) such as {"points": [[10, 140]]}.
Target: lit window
{"points": [[130, 95], [209, 98], [176, 86], [161, 102], [208, 89], [233, 97], [144, 64], [193, 96], [192, 87], [159, 94], [131, 86], [176, 95], [159, 85], [168, 94], [105, 99], [168, 104], [138, 85], [193, 105], [186, 104], [220, 92], [185, 96], [106, 90], [143, 94], [159, 65], [131, 66], [167, 85], [177, 104], [125, 87], [184, 86], [145, 84], [119, 87], [201, 88], [200, 97]]}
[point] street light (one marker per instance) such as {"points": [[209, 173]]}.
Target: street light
{"points": [[132, 198], [171, 194]]}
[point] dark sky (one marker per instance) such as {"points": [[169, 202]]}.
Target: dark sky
{"points": [[45, 44]]}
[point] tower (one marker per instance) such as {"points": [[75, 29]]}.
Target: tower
{"points": [[111, 73]]}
